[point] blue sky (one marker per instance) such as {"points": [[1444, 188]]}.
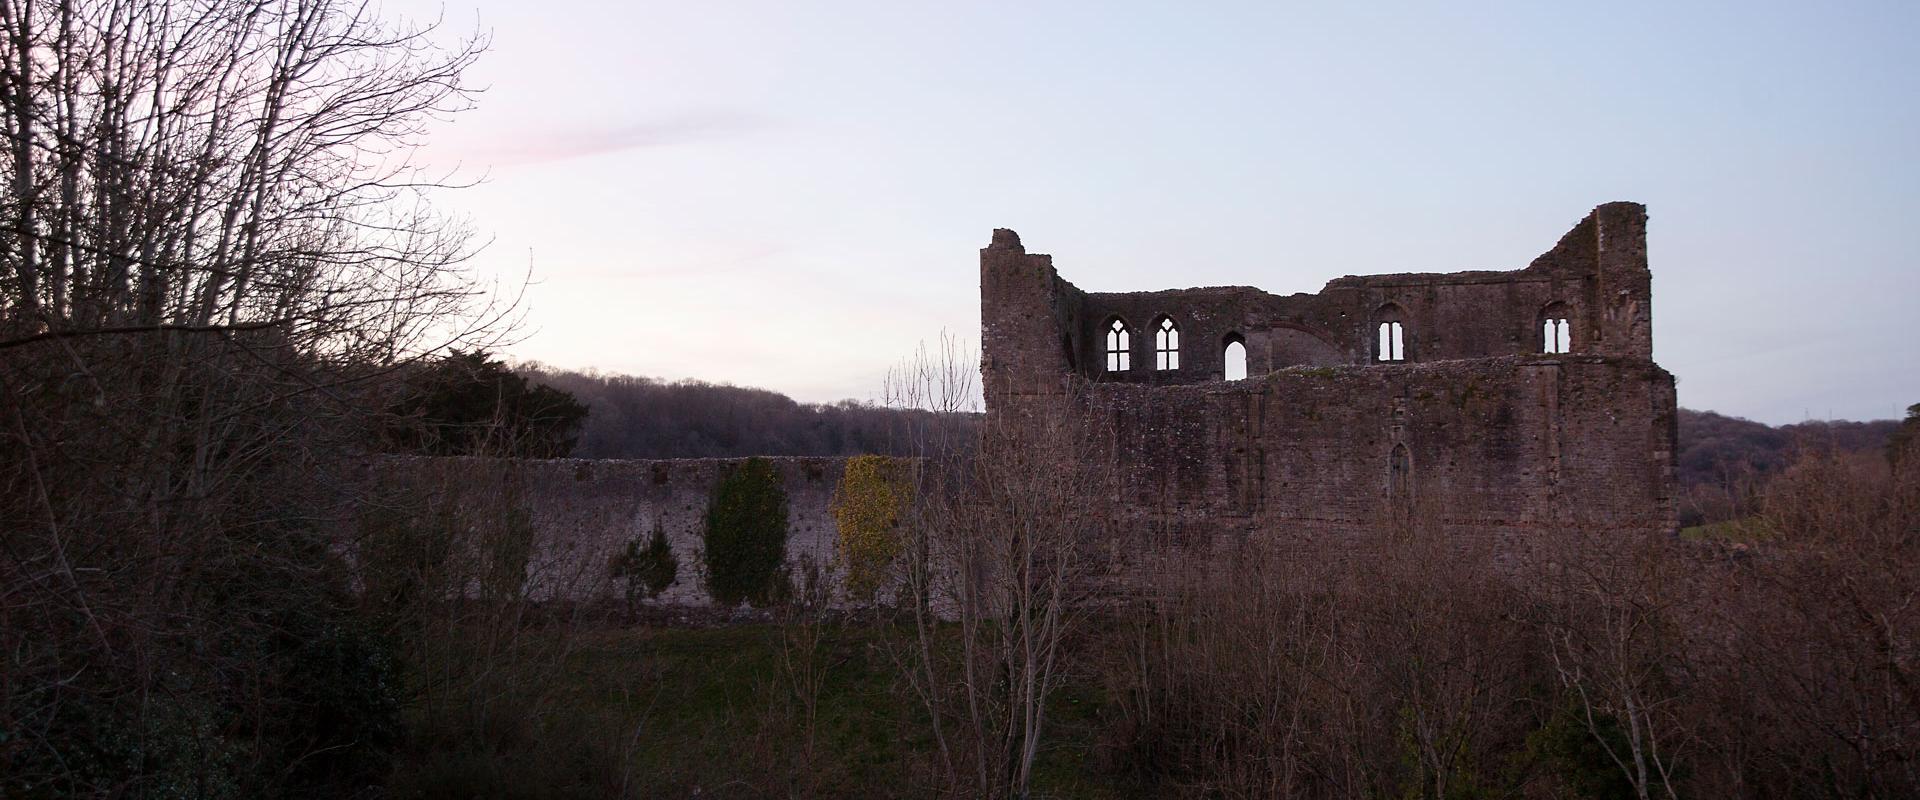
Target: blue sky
{"points": [[792, 195]]}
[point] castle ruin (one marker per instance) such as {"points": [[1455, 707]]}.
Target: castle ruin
{"points": [[1506, 407], [1499, 403]]}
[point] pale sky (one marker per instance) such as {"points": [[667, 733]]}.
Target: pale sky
{"points": [[791, 195]]}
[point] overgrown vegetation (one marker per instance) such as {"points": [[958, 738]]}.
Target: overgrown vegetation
{"points": [[711, 710], [645, 572], [1436, 667], [450, 584], [1433, 668], [216, 253], [746, 536], [1901, 443], [869, 505]]}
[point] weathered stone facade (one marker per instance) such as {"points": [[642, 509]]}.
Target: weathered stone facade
{"points": [[583, 512], [1466, 415], [1473, 427]]}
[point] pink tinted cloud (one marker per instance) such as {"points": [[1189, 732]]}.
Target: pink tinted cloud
{"points": [[541, 146]]}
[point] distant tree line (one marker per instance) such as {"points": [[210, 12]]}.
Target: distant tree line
{"points": [[634, 417], [1723, 460], [1714, 445]]}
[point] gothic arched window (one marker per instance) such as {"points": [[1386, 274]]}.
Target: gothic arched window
{"points": [[1235, 354], [1119, 346], [1166, 344]]}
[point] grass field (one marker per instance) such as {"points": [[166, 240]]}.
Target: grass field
{"points": [[1745, 529], [713, 712]]}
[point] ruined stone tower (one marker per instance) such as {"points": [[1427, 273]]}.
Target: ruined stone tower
{"points": [[1501, 403]]}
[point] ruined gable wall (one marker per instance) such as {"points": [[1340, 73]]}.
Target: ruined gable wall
{"points": [[1031, 321], [1597, 271], [1205, 317], [1452, 316]]}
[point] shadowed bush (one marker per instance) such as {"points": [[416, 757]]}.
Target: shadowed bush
{"points": [[746, 536], [644, 573]]}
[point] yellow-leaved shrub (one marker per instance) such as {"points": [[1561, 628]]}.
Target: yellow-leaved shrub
{"points": [[868, 504]]}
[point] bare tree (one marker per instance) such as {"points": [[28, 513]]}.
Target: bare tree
{"points": [[215, 243], [998, 573], [1614, 644], [1815, 671]]}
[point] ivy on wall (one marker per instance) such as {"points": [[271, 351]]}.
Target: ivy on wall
{"points": [[868, 503], [746, 536]]}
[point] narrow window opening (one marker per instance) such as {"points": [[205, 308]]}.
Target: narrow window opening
{"points": [[1166, 345], [1558, 335], [1393, 346], [1119, 347], [1236, 358], [1400, 475], [1556, 328]]}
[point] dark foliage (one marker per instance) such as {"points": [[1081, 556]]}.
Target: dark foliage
{"points": [[1903, 439], [258, 679], [217, 253], [471, 404], [746, 538], [647, 571], [1577, 753], [645, 418]]}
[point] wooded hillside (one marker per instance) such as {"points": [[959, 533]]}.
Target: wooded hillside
{"points": [[635, 417]]}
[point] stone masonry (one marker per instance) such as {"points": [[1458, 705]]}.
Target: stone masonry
{"points": [[583, 512], [1468, 421], [1462, 412]]}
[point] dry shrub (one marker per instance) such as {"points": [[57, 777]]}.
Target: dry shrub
{"points": [[1808, 642], [1000, 566], [1391, 667], [1411, 662], [448, 563], [1611, 618]]}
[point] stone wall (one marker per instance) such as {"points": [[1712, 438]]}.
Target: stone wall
{"points": [[1478, 428], [1039, 325], [584, 511], [1510, 443]]}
